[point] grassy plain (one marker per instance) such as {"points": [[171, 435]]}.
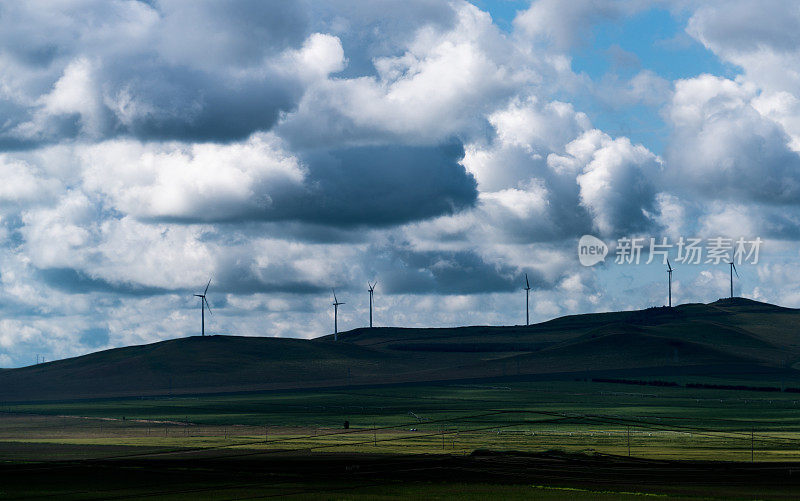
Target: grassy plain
{"points": [[563, 440], [602, 406], [578, 416]]}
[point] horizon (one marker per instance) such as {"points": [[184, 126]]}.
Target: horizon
{"points": [[367, 327], [447, 152]]}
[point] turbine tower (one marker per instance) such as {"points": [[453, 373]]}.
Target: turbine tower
{"points": [[527, 295], [733, 270], [669, 272], [203, 305], [371, 290], [336, 304]]}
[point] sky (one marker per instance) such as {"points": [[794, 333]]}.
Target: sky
{"points": [[443, 148]]}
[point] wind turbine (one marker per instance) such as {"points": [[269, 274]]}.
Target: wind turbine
{"points": [[371, 290], [203, 305], [733, 270], [527, 295], [669, 272], [336, 304]]}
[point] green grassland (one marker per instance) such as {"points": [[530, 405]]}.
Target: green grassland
{"points": [[188, 436], [698, 401], [586, 416], [84, 447]]}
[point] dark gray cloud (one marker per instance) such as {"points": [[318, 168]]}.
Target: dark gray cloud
{"points": [[780, 223], [403, 270], [386, 185], [235, 32], [365, 186], [190, 104], [78, 282], [461, 272], [312, 233], [164, 69], [160, 70], [238, 272]]}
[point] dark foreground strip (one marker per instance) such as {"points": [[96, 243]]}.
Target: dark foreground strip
{"points": [[232, 478]]}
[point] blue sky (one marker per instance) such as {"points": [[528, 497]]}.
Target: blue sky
{"points": [[652, 39], [446, 150], [503, 12]]}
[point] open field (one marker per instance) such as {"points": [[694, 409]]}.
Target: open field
{"points": [[563, 440], [578, 416], [479, 411]]}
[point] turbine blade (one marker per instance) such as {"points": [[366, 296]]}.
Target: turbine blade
{"points": [[527, 284], [334, 294], [198, 295], [209, 283], [207, 305], [734, 269], [669, 266]]}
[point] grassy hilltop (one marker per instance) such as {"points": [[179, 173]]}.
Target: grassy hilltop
{"points": [[732, 336]]}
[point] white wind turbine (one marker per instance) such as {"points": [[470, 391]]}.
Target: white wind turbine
{"points": [[203, 305], [336, 304]]}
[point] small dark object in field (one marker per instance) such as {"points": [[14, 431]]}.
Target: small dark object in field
{"points": [[347, 425]]}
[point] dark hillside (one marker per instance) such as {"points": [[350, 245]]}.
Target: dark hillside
{"points": [[734, 333]]}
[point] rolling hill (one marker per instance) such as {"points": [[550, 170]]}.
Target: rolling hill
{"points": [[731, 336]]}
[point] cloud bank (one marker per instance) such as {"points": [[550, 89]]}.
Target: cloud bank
{"points": [[285, 148]]}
